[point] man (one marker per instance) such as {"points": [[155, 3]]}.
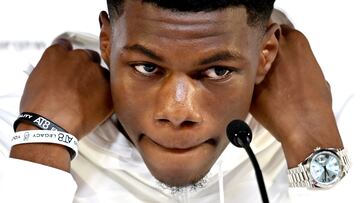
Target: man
{"points": [[179, 73]]}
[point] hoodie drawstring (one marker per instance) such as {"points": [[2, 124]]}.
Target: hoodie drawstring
{"points": [[221, 182]]}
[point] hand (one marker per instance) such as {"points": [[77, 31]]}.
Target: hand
{"points": [[294, 101], [70, 88]]}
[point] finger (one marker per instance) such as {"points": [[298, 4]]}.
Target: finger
{"points": [[95, 57], [66, 44]]}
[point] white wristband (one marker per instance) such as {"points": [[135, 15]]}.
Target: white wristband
{"points": [[47, 136]]}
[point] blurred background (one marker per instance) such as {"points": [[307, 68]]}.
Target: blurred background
{"points": [[28, 26]]}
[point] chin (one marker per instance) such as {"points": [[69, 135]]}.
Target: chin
{"points": [[179, 170], [179, 167]]}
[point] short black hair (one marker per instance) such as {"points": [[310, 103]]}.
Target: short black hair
{"points": [[259, 11]]}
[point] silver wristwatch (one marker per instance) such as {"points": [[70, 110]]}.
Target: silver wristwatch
{"points": [[322, 169]]}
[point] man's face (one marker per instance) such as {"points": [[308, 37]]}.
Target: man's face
{"points": [[177, 80]]}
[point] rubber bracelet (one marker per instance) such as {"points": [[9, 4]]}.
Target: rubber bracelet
{"points": [[38, 121], [47, 136]]}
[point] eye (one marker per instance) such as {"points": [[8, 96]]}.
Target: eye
{"points": [[217, 73], [146, 69]]}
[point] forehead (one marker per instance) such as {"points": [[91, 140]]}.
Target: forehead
{"points": [[146, 23]]}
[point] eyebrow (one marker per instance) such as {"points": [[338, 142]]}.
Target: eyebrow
{"points": [[145, 51], [221, 56]]}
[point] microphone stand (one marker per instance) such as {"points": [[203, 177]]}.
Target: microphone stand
{"points": [[259, 176]]}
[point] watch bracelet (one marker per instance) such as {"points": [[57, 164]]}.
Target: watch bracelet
{"points": [[300, 177], [345, 159]]}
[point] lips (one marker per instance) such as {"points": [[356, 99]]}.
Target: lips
{"points": [[185, 152], [175, 150], [180, 143]]}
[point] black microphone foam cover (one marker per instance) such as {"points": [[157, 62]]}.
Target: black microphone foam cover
{"points": [[239, 133]]}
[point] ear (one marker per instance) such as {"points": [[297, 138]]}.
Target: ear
{"points": [[105, 37], [269, 50]]}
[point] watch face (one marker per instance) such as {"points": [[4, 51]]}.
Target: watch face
{"points": [[325, 168]]}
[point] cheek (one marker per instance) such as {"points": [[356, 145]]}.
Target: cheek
{"points": [[232, 102], [131, 102]]}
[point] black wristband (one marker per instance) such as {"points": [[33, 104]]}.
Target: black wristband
{"points": [[38, 121]]}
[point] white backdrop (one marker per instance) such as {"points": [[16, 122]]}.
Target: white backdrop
{"points": [[330, 25]]}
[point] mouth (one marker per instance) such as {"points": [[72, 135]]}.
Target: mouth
{"points": [[177, 147]]}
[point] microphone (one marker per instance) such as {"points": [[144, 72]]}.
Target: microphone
{"points": [[240, 135]]}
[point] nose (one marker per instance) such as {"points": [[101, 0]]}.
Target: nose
{"points": [[176, 104]]}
